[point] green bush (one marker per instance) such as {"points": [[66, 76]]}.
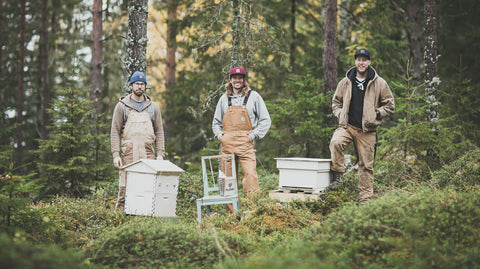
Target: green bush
{"points": [[400, 230], [73, 221], [463, 173], [146, 242], [23, 254]]}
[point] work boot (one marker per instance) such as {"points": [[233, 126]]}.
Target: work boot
{"points": [[337, 180]]}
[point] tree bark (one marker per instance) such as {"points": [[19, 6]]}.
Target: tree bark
{"points": [[330, 46], [432, 81], [414, 33], [137, 36], [44, 74], [293, 10], [96, 63], [170, 68], [20, 88]]}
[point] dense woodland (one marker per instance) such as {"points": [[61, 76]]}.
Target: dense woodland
{"points": [[65, 64]]}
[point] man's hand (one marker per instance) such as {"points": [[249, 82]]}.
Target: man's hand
{"points": [[160, 157], [117, 162]]}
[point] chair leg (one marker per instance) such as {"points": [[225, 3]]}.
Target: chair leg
{"points": [[199, 211]]}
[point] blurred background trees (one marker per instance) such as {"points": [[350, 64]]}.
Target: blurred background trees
{"points": [[190, 46]]}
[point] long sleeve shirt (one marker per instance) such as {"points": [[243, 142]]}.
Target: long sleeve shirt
{"points": [[257, 111]]}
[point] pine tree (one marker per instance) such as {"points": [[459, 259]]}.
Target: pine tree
{"points": [[72, 160]]}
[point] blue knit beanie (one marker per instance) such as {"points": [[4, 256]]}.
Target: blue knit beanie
{"points": [[138, 76]]}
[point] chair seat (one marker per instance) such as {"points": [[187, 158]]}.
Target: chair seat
{"points": [[217, 198]]}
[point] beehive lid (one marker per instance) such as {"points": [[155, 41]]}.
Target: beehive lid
{"points": [[152, 166]]}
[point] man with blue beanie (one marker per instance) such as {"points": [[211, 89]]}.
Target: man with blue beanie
{"points": [[137, 130]]}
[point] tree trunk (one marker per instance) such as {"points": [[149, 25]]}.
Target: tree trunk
{"points": [[20, 88], [44, 74], [96, 64], [137, 36], [235, 59], [293, 10], [414, 33], [330, 46], [431, 79], [170, 78], [344, 23]]}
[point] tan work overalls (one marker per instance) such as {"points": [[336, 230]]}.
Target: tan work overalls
{"points": [[237, 126], [138, 142]]}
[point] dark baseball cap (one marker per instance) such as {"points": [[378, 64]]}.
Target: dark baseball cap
{"points": [[362, 52]]}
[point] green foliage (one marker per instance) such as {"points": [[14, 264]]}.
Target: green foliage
{"points": [[18, 253], [462, 174], [302, 124], [75, 222], [156, 243], [413, 148], [73, 158], [400, 230]]}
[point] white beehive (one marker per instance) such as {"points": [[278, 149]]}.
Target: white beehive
{"points": [[304, 173], [152, 187]]}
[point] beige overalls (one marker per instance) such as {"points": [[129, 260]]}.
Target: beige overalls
{"points": [[138, 142], [237, 126]]}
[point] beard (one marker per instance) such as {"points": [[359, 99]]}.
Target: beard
{"points": [[138, 93]]}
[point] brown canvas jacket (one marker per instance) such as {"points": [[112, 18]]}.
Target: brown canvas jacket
{"points": [[378, 97], [120, 115]]}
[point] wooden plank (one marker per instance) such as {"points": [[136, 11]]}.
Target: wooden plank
{"points": [[288, 196]]}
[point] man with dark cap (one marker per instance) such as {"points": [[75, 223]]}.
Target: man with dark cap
{"points": [[362, 99], [137, 131]]}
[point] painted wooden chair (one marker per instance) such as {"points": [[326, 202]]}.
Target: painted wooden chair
{"points": [[219, 183]]}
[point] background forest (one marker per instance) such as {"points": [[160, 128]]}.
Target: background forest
{"points": [[65, 64]]}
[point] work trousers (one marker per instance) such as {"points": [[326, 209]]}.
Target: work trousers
{"points": [[241, 146], [365, 143]]}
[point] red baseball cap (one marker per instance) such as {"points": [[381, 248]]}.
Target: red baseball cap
{"points": [[237, 71]]}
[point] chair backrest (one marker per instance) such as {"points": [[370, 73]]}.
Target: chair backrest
{"points": [[219, 175]]}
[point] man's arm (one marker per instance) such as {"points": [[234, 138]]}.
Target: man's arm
{"points": [[115, 134], [159, 133]]}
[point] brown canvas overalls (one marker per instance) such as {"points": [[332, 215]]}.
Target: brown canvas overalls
{"points": [[138, 142]]}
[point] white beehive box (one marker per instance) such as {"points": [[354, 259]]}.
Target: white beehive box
{"points": [[304, 173], [152, 187]]}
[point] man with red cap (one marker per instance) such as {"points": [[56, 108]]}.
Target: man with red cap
{"points": [[137, 130], [241, 116]]}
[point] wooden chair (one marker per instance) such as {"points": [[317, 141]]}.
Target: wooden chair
{"points": [[219, 183]]}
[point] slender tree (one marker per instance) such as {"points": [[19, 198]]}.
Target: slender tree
{"points": [[171, 64], [44, 74], [293, 44], [137, 36], [330, 46], [96, 63], [431, 79], [20, 86]]}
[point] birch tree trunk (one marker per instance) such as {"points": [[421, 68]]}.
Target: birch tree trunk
{"points": [[330, 46], [432, 80]]}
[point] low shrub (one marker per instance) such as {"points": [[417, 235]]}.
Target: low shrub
{"points": [[146, 242], [463, 173], [74, 222], [400, 230], [18, 253]]}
